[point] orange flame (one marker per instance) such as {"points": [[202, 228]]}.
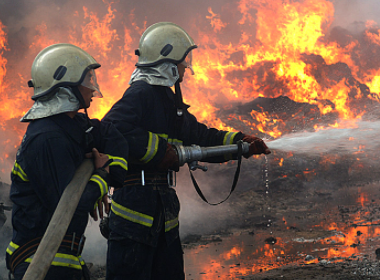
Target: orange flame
{"points": [[3, 72], [268, 62], [281, 50]]}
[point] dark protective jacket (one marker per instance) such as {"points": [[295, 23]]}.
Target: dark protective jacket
{"points": [[51, 151], [146, 116]]}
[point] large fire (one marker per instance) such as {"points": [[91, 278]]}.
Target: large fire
{"points": [[284, 49], [255, 60]]}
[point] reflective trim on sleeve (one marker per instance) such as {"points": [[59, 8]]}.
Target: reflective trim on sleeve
{"points": [[12, 247], [64, 260], [131, 215], [102, 184], [170, 140], [152, 147], [17, 170], [229, 138], [163, 135], [119, 161], [81, 260], [175, 141], [169, 225]]}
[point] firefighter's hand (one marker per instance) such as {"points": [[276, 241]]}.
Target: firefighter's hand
{"points": [[256, 147], [99, 207], [100, 159], [170, 160]]}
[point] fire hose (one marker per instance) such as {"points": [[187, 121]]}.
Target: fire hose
{"points": [[70, 198], [59, 223], [192, 154]]}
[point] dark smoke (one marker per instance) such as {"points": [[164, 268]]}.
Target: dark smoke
{"points": [[21, 17]]}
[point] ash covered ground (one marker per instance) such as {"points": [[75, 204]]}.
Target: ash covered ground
{"points": [[319, 224]]}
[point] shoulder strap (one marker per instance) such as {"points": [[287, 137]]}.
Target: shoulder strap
{"points": [[236, 178]]}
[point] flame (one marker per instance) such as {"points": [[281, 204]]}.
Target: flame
{"points": [[215, 21], [363, 198], [279, 49], [3, 72], [265, 122], [343, 243], [282, 50], [309, 174]]}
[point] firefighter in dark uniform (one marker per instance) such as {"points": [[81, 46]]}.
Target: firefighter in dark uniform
{"points": [[57, 140], [144, 239]]}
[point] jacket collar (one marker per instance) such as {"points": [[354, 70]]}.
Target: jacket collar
{"points": [[72, 126]]}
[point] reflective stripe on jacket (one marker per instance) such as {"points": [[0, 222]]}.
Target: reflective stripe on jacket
{"points": [[60, 259], [51, 151], [147, 117]]}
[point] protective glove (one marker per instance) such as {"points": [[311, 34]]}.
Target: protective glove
{"points": [[256, 147], [105, 227], [170, 160]]}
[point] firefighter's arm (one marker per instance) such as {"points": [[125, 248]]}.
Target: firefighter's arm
{"points": [[101, 177], [109, 141], [54, 165], [127, 115], [204, 136]]}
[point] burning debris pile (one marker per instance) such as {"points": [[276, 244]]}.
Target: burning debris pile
{"points": [[282, 115], [283, 70]]}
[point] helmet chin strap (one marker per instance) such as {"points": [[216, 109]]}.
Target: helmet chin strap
{"points": [[178, 99], [79, 96]]}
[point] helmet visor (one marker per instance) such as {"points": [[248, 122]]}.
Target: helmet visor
{"points": [[90, 82], [187, 62]]}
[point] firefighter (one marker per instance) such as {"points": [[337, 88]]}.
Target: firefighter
{"points": [[144, 238], [57, 140]]}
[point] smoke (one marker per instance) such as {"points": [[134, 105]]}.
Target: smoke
{"points": [[353, 14], [6, 229], [95, 249], [32, 24], [8, 150], [5, 237], [198, 217]]}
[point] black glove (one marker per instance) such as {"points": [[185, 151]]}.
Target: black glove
{"points": [[104, 227], [256, 147], [170, 160], [102, 172]]}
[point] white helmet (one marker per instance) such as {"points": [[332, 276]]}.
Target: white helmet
{"points": [[63, 65], [164, 42]]}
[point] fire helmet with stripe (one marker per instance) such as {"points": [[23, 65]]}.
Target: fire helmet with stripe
{"points": [[164, 42], [63, 65]]}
